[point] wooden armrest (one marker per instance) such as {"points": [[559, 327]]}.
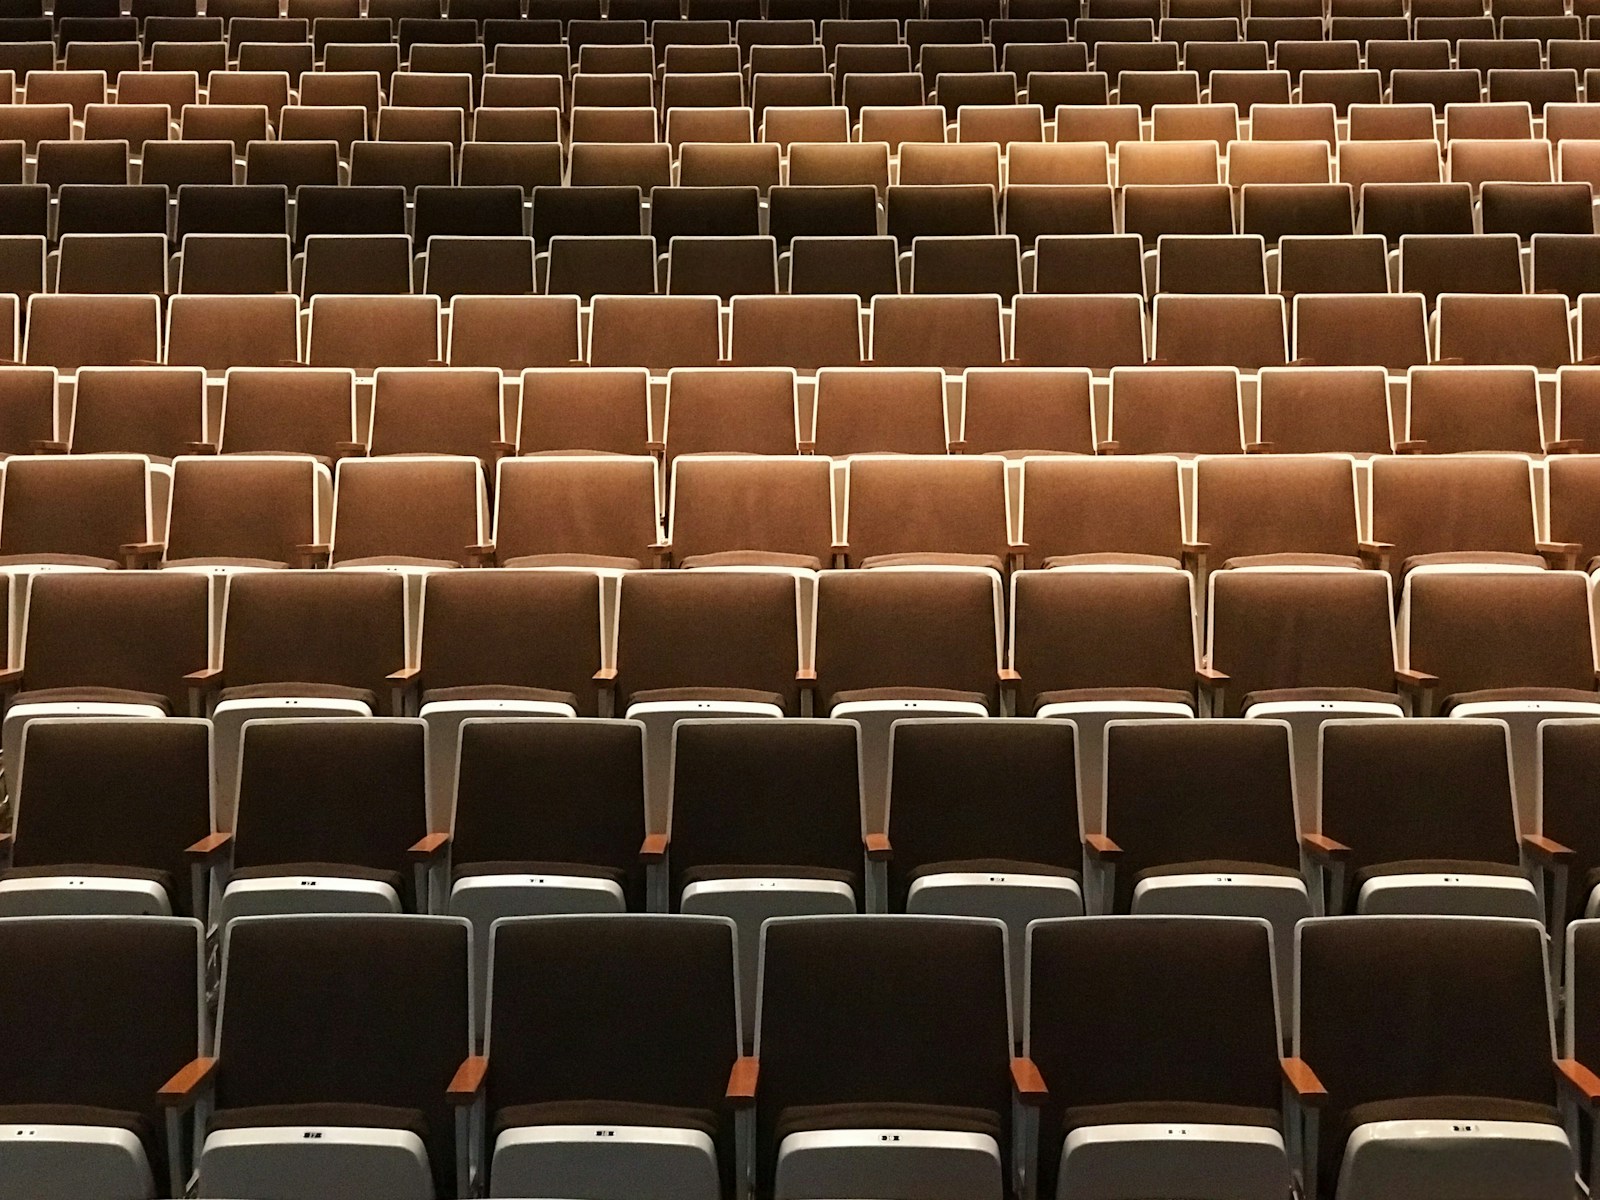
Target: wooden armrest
{"points": [[1324, 848], [877, 847], [138, 555], [50, 447], [1211, 677], [349, 450], [1028, 1083], [467, 1084], [655, 446], [806, 677], [1375, 554], [10, 678], [184, 1088], [1017, 549], [654, 848], [430, 847], [1260, 447], [499, 449], [1562, 556], [803, 446], [1010, 675], [1308, 1089], [1101, 848], [1411, 446], [1107, 447], [1579, 1080], [1415, 681], [956, 446], [1195, 553], [1546, 850], [404, 675], [481, 554], [209, 679], [742, 1081], [200, 447], [311, 554], [209, 848], [1565, 446], [606, 678]]}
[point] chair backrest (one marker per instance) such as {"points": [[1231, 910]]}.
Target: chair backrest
{"points": [[602, 505], [919, 505], [866, 410], [1271, 504], [428, 507], [1433, 504], [1171, 410], [1098, 506], [86, 508], [760, 505], [276, 410]]}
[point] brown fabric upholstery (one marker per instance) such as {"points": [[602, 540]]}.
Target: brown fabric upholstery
{"points": [[708, 629], [365, 332], [72, 331], [942, 768], [507, 628], [900, 629], [552, 791], [365, 1014], [658, 332], [741, 411], [766, 507], [407, 508], [1102, 629], [1502, 329], [342, 792], [1456, 409], [514, 332], [1486, 631], [559, 505], [1166, 410], [864, 411], [1361, 330], [953, 332], [1574, 482], [1417, 789], [133, 631], [242, 509], [80, 506], [1159, 1019], [1287, 631], [1098, 332], [1101, 506], [342, 628], [1570, 760], [1185, 791], [444, 411], [1273, 505], [1017, 410], [218, 332], [104, 1011], [627, 1020], [278, 411], [1427, 504], [924, 504], [839, 994], [121, 793], [27, 408], [1424, 1007], [775, 793], [138, 410], [597, 410]]}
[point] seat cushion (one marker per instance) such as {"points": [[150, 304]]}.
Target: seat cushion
{"points": [[1111, 560], [752, 558], [937, 695], [264, 564], [330, 870], [706, 874], [1293, 560], [92, 695], [581, 870], [399, 560], [103, 870], [59, 560], [1519, 695], [1216, 866], [813, 1118], [1110, 697], [354, 1116], [604, 1112], [588, 561], [1167, 1112], [1462, 558], [301, 691], [1431, 866], [499, 692], [82, 1114], [689, 695], [915, 559], [987, 866], [1318, 695]]}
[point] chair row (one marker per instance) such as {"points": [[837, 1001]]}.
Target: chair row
{"points": [[945, 1101]]}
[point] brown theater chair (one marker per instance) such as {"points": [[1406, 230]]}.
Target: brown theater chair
{"points": [[1106, 511], [154, 411], [1323, 410], [408, 515], [438, 410], [1454, 410], [514, 333], [268, 410], [603, 410], [71, 331], [1570, 493], [802, 333], [1246, 332], [1461, 263], [28, 412], [928, 510], [1103, 264], [730, 410], [752, 510], [78, 512], [1483, 330], [1230, 263], [1333, 264], [953, 332], [863, 410], [1282, 511], [596, 512], [1017, 411], [1361, 329], [367, 332], [657, 332], [1174, 410]]}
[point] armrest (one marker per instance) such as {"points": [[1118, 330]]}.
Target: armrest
{"points": [[467, 1085], [1260, 447], [1323, 848], [200, 447], [1308, 1089], [655, 446], [429, 848], [349, 450], [1411, 446], [208, 680], [1375, 554], [208, 849], [1565, 446], [806, 677], [1109, 447], [606, 678], [183, 1089], [742, 1081], [1419, 686], [1016, 551], [50, 447], [138, 556], [1101, 848], [10, 679], [481, 555], [311, 554], [653, 849], [804, 446], [877, 847], [1194, 556], [1561, 556], [662, 553], [1578, 1079], [1211, 677], [404, 676], [1028, 1083], [1010, 675], [499, 450], [1546, 851], [957, 446]]}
